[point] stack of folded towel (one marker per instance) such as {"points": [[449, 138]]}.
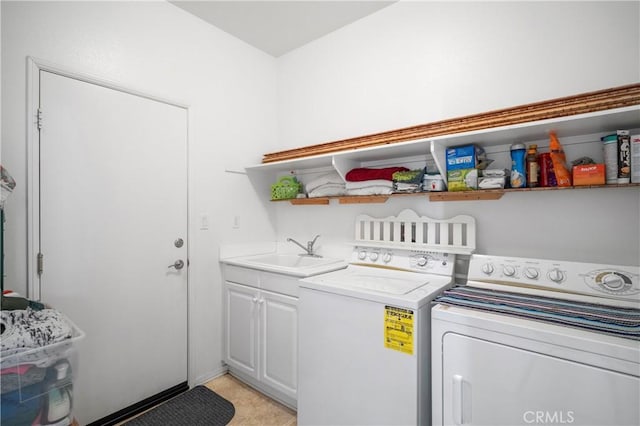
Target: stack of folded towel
{"points": [[365, 181], [408, 181], [328, 185]]}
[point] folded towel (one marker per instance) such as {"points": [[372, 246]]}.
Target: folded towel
{"points": [[327, 190], [363, 173], [329, 178], [411, 176], [371, 190], [369, 183], [494, 173], [407, 187]]}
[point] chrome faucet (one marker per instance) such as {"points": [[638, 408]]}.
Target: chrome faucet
{"points": [[308, 248]]}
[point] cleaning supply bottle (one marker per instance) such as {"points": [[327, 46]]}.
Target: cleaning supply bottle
{"points": [[518, 173], [532, 166], [563, 176], [58, 397]]}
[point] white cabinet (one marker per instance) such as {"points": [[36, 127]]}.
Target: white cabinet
{"points": [[261, 330], [241, 328], [279, 342]]}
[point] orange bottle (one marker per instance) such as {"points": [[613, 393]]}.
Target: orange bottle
{"points": [[563, 177]]}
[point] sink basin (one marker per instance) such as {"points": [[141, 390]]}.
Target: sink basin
{"points": [[289, 264], [291, 260]]}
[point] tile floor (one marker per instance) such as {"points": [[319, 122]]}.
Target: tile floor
{"points": [[252, 407]]}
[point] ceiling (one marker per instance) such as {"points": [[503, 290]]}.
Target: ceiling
{"points": [[277, 27]]}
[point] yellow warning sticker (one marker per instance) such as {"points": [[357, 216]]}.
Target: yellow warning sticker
{"points": [[398, 329]]}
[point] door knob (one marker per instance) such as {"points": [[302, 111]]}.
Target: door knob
{"points": [[178, 264]]}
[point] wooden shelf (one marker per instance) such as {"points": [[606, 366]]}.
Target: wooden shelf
{"points": [[483, 194], [364, 199], [496, 194], [307, 201], [486, 194]]}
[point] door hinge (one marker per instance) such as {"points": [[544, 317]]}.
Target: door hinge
{"points": [[40, 266], [39, 119]]}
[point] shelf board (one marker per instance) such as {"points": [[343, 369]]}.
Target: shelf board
{"points": [[483, 194], [363, 199], [496, 194], [307, 201], [486, 194]]}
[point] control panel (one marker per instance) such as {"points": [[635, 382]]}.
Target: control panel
{"points": [[410, 260], [598, 280]]}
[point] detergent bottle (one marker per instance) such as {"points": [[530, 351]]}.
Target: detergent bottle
{"points": [[518, 173], [563, 176]]}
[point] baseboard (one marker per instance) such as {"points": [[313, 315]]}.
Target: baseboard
{"points": [[139, 407], [264, 389], [210, 375]]}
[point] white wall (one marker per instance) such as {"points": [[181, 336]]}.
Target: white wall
{"points": [[158, 49], [417, 62], [411, 63]]}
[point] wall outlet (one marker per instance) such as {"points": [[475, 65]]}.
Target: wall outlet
{"points": [[204, 222]]}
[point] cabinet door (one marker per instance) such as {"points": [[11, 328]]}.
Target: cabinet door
{"points": [[279, 344], [241, 328]]}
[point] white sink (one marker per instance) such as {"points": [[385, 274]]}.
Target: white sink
{"points": [[290, 264], [292, 260]]}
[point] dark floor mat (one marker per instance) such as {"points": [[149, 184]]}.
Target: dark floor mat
{"points": [[198, 406]]}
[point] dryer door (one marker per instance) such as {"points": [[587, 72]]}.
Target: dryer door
{"points": [[488, 383]]}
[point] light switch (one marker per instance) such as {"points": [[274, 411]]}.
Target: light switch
{"points": [[204, 222]]}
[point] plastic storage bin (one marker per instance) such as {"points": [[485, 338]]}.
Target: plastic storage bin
{"points": [[37, 384]]}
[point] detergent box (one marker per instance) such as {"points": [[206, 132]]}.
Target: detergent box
{"points": [[462, 163]]}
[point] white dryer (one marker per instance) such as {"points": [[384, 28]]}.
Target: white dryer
{"points": [[531, 342]]}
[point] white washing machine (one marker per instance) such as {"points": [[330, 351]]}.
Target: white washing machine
{"points": [[531, 342], [364, 331]]}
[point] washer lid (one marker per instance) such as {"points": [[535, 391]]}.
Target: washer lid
{"points": [[375, 279], [379, 284]]}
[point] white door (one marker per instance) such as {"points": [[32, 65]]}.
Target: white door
{"points": [[279, 343], [113, 202], [241, 328], [488, 383]]}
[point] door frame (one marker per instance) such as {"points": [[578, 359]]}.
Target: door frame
{"points": [[34, 66]]}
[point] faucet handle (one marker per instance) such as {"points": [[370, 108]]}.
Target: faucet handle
{"points": [[310, 246]]}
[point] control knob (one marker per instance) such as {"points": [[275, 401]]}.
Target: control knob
{"points": [[362, 254], [509, 270], [487, 268], [423, 261], [612, 282], [556, 275], [373, 256], [531, 273], [387, 257]]}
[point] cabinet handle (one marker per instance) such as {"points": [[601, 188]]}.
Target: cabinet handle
{"points": [[261, 301], [254, 300]]}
